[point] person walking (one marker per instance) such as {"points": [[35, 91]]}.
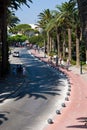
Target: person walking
{"points": [[14, 70], [60, 59], [68, 64], [24, 71], [56, 60]]}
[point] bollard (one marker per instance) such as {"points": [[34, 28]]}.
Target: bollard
{"points": [[66, 98], [63, 105], [68, 93], [69, 89], [69, 86], [50, 121], [58, 112]]}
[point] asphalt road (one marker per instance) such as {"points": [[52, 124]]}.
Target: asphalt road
{"points": [[42, 93]]}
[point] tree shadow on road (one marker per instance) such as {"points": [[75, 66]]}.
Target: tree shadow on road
{"points": [[42, 85], [9, 85], [3, 117], [37, 83]]}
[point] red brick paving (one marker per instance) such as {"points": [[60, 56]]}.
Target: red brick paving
{"points": [[74, 115]]}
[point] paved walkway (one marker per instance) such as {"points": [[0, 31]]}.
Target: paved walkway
{"points": [[74, 115]]}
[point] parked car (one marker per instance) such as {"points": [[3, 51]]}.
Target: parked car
{"points": [[16, 54]]}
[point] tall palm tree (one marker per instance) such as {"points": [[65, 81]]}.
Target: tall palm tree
{"points": [[4, 4], [56, 24], [77, 26], [82, 5], [68, 9], [45, 17], [12, 20], [64, 20]]}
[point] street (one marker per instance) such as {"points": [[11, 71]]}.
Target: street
{"points": [[37, 100]]}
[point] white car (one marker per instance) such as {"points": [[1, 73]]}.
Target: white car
{"points": [[16, 54]]}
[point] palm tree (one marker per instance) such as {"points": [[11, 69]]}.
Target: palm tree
{"points": [[77, 27], [12, 20], [3, 29], [4, 4], [63, 20], [56, 24], [45, 17], [68, 9], [82, 6]]}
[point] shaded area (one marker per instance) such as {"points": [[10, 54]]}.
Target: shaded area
{"points": [[83, 121], [3, 116], [39, 89], [40, 81], [10, 85]]}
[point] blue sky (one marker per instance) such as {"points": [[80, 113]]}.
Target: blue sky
{"points": [[30, 15]]}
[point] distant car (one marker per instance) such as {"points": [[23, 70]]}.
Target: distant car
{"points": [[16, 54]]}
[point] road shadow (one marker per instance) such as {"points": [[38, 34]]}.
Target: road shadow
{"points": [[83, 121], [40, 81], [3, 116], [9, 85]]}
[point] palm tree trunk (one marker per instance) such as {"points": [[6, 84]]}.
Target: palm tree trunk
{"points": [[82, 5], [69, 44], [64, 45], [64, 49], [77, 52], [58, 43], [48, 43], [4, 40], [86, 49]]}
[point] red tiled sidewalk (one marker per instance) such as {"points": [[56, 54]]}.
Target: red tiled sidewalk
{"points": [[74, 115]]}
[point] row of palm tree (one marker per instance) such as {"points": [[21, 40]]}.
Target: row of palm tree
{"points": [[64, 22]]}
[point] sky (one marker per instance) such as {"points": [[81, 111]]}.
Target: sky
{"points": [[30, 15]]}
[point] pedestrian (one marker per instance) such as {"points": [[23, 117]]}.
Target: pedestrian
{"points": [[14, 70], [60, 59], [56, 60], [38, 48], [24, 71], [61, 63], [20, 68], [68, 64]]}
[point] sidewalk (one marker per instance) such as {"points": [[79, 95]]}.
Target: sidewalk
{"points": [[74, 115]]}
